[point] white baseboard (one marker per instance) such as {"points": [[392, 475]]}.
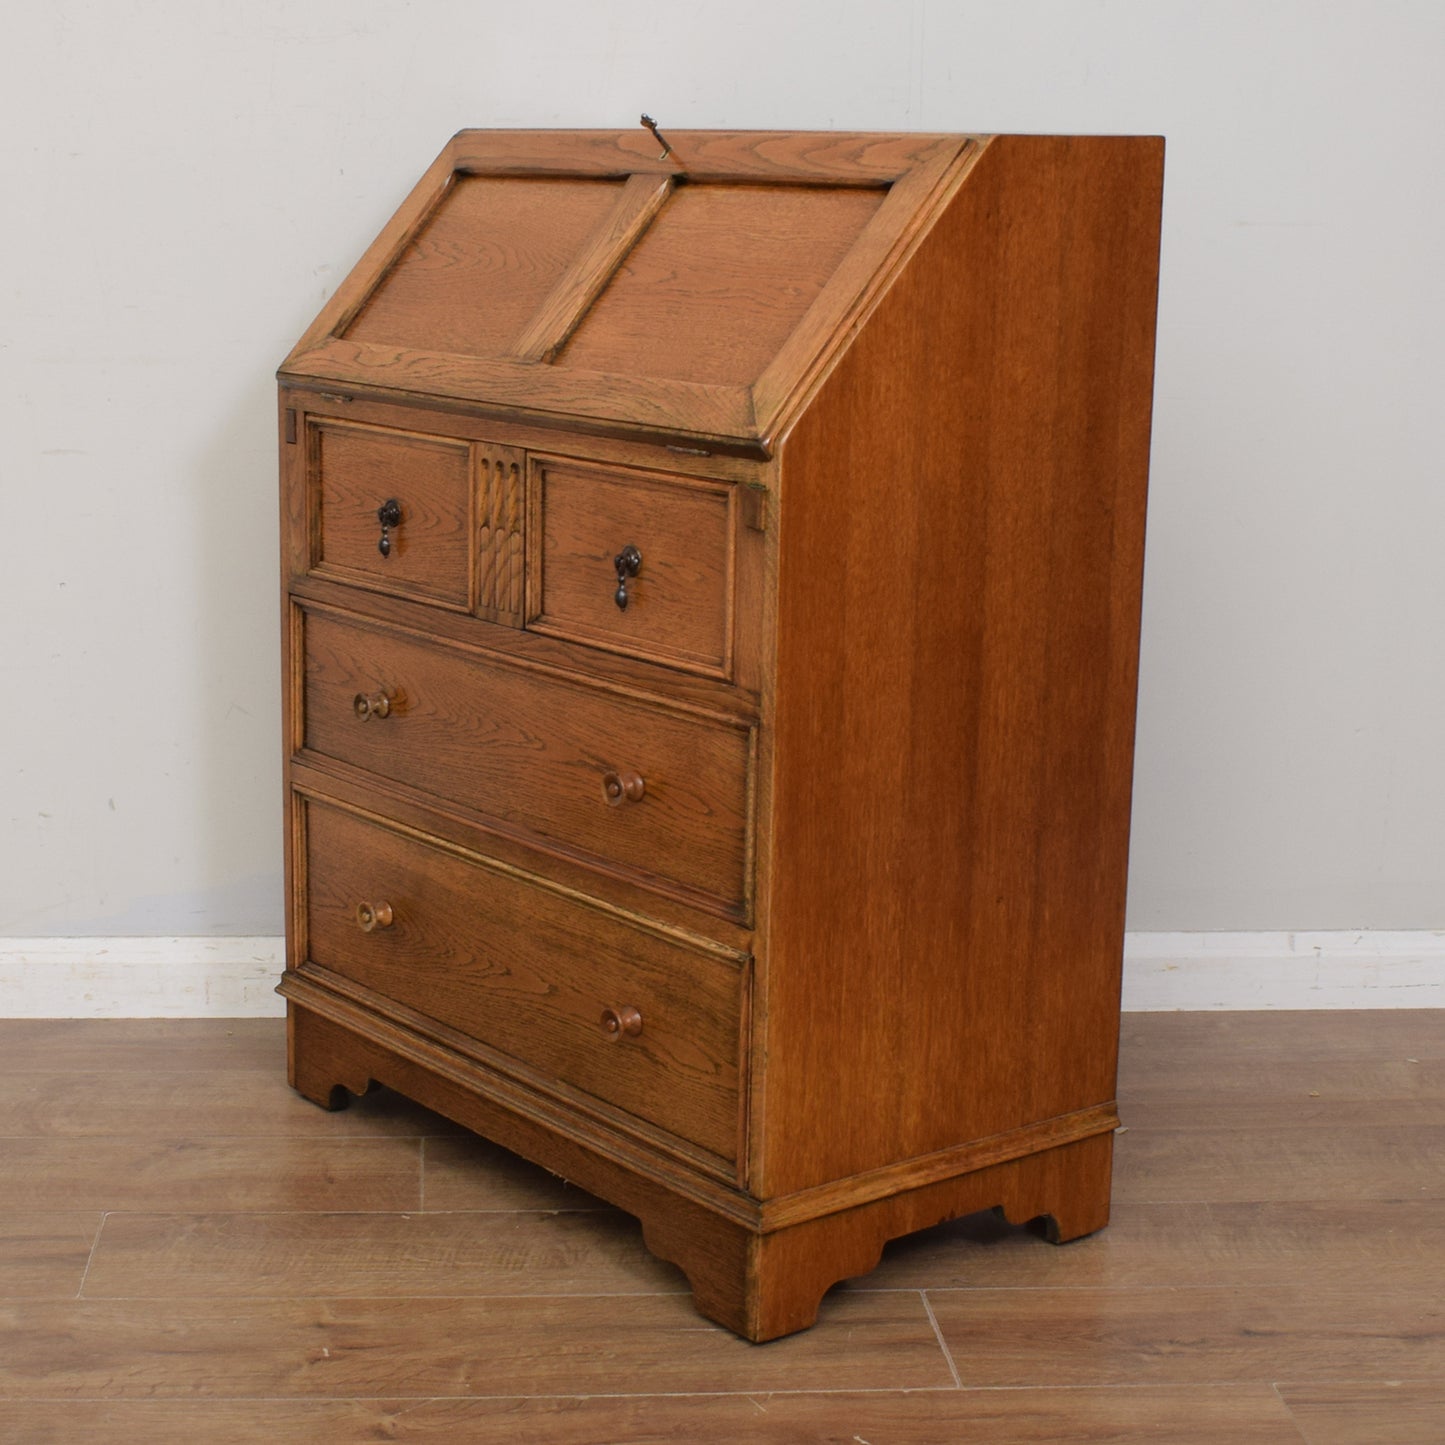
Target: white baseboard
{"points": [[136, 978], [235, 977], [1374, 969]]}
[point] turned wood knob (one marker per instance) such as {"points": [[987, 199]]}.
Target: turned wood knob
{"points": [[621, 1022], [371, 916], [620, 788], [371, 704]]}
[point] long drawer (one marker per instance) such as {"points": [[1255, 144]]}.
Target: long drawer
{"points": [[661, 794], [573, 991]]}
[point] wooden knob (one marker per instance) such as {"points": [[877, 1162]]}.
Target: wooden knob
{"points": [[371, 704], [620, 788], [624, 1022], [371, 916]]}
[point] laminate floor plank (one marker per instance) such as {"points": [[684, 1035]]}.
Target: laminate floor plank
{"points": [[469, 1173], [227, 1102], [1201, 1049], [1023, 1337], [44, 1255], [1406, 1412], [189, 1251], [224, 1256], [115, 1173], [1374, 1243], [1211, 1416], [1280, 1164], [127, 1046], [420, 1348]]}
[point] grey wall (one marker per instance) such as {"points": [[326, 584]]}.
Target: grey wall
{"points": [[185, 182]]}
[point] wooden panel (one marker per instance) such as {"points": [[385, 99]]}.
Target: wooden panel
{"points": [[354, 471], [835, 158], [535, 754], [531, 973], [962, 542], [680, 602], [720, 281], [501, 553], [661, 409], [641, 199], [476, 274]]}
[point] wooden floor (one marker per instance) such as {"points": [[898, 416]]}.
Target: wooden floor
{"points": [[189, 1253]]}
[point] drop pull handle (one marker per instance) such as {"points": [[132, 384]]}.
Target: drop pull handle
{"points": [[628, 563], [371, 916], [620, 788], [389, 515], [621, 1023]]}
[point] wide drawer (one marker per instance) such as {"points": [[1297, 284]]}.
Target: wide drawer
{"points": [[633, 561], [569, 989], [658, 793], [391, 510]]}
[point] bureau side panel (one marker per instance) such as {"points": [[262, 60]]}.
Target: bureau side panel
{"points": [[961, 532]]}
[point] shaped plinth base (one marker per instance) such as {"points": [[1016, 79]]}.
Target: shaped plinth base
{"points": [[757, 1281]]}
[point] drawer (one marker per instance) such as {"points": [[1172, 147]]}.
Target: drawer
{"points": [[356, 471], [568, 989], [659, 793], [677, 586]]}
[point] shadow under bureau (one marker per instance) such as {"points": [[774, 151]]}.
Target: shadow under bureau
{"points": [[710, 632]]}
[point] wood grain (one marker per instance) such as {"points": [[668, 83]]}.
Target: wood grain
{"points": [[642, 197], [43, 1256], [1271, 1321], [1249, 1415], [207, 1173], [1365, 1244], [1305, 1332], [235, 1103], [1376, 1162], [354, 470], [511, 1252], [680, 604], [956, 675], [123, 1047], [469, 1173], [719, 282], [475, 276], [1400, 1412], [531, 753], [295, 1348], [530, 973]]}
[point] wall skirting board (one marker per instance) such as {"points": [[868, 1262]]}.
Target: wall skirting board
{"points": [[234, 977]]}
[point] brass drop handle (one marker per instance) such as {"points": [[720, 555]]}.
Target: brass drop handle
{"points": [[389, 515], [628, 563], [371, 916], [371, 704], [620, 788], [624, 1022]]}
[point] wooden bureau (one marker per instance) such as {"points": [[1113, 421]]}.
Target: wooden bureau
{"points": [[711, 624]]}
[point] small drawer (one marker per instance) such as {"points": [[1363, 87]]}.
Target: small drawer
{"points": [[634, 562], [570, 990], [391, 510], [661, 794]]}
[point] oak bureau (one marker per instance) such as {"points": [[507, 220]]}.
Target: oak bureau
{"points": [[712, 589]]}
